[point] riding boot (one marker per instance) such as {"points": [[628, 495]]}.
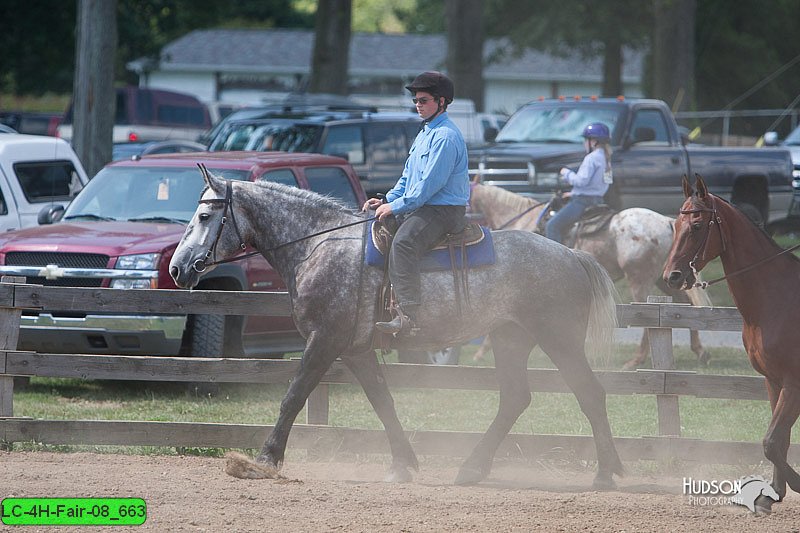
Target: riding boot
{"points": [[401, 325]]}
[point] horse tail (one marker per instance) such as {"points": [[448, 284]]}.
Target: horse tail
{"points": [[603, 310], [698, 296]]}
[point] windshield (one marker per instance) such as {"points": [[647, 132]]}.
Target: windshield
{"points": [[556, 124], [272, 136], [141, 193], [793, 138]]}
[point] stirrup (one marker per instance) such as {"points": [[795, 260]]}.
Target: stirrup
{"points": [[399, 325]]}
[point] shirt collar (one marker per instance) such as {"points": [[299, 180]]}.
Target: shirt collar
{"points": [[436, 121]]}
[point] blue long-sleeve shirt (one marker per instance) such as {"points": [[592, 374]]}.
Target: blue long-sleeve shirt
{"points": [[588, 181], [435, 172]]}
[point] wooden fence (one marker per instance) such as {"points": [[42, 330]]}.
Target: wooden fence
{"points": [[662, 381]]}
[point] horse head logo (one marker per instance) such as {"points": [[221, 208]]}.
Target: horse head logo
{"points": [[752, 488]]}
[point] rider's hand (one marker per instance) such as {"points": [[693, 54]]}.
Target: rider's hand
{"points": [[564, 171], [384, 210], [372, 203]]}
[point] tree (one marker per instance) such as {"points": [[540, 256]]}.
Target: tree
{"points": [[93, 95], [330, 60], [673, 53], [464, 19]]}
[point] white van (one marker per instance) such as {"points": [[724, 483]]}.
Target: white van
{"points": [[36, 172]]}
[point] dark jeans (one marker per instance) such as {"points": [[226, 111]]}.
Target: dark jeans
{"points": [[418, 233], [568, 215]]}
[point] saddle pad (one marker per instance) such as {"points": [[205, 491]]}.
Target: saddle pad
{"points": [[478, 254]]}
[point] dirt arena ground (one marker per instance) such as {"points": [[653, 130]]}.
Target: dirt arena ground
{"points": [[194, 494]]}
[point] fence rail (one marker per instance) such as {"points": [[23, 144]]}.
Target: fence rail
{"points": [[664, 382]]}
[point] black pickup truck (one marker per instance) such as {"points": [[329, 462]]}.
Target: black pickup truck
{"points": [[650, 154]]}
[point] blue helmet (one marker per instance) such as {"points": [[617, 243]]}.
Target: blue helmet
{"points": [[597, 130]]}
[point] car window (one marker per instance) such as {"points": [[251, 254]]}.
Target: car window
{"points": [[386, 143], [332, 181], [46, 181], [411, 133], [345, 141], [281, 175], [649, 127], [3, 206], [181, 115]]}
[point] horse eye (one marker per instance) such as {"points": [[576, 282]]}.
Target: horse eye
{"points": [[204, 216], [696, 226]]}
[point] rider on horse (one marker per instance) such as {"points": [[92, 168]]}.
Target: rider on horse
{"points": [[589, 184], [429, 199]]}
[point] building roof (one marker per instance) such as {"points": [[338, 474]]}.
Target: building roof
{"points": [[288, 51]]}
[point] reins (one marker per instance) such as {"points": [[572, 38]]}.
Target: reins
{"points": [[517, 217], [716, 219], [228, 200]]}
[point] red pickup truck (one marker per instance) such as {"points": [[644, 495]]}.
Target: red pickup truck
{"points": [[121, 232]]}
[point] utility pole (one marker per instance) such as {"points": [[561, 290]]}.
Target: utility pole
{"points": [[93, 88]]}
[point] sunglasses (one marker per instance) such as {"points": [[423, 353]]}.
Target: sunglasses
{"points": [[424, 100]]}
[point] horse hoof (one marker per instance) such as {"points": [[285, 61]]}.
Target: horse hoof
{"points": [[763, 505], [604, 483], [240, 466], [398, 474], [469, 476]]}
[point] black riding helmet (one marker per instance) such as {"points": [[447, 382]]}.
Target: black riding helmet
{"points": [[435, 83]]}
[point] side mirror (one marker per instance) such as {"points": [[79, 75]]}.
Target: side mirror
{"points": [[683, 132], [771, 138], [490, 134], [50, 214]]}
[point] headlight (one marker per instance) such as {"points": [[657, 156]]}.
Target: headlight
{"points": [[134, 284], [138, 262]]}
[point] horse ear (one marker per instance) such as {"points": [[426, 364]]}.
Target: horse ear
{"points": [[702, 190], [214, 183], [687, 187]]}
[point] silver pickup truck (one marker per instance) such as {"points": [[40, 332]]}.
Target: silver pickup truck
{"points": [[36, 173], [650, 155]]}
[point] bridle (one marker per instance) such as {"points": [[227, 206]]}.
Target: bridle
{"points": [[211, 253], [201, 264], [716, 219]]}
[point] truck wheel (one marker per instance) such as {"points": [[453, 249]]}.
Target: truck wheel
{"points": [[207, 340]]}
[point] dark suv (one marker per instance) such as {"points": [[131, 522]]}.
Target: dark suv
{"points": [[375, 144], [121, 232]]}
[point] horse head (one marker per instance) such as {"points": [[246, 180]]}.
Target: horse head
{"points": [[206, 241], [695, 241]]}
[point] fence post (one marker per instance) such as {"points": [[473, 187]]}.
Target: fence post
{"points": [[9, 335], [317, 405], [669, 416]]}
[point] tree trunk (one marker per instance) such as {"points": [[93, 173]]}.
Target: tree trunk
{"points": [[673, 53], [465, 37], [331, 56], [93, 87], [612, 68]]}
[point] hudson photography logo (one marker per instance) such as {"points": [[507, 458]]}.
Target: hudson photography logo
{"points": [[742, 491]]}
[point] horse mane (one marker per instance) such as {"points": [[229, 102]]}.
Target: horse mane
{"points": [[510, 200], [762, 229], [306, 196]]}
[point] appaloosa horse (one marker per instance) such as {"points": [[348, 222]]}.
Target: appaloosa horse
{"points": [[633, 245], [764, 280], [536, 292]]}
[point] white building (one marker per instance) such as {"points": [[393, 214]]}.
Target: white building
{"points": [[250, 66]]}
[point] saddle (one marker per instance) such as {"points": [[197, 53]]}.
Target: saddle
{"points": [[457, 252], [594, 220]]}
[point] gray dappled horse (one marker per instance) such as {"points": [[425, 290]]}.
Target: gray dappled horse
{"points": [[633, 245], [537, 292]]}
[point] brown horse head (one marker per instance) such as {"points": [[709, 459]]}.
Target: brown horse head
{"points": [[698, 236]]}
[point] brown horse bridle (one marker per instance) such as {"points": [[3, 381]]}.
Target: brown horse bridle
{"points": [[716, 219]]}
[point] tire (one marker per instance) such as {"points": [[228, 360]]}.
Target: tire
{"points": [[446, 356], [207, 340]]}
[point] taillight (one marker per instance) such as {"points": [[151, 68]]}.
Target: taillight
{"points": [[132, 137]]}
